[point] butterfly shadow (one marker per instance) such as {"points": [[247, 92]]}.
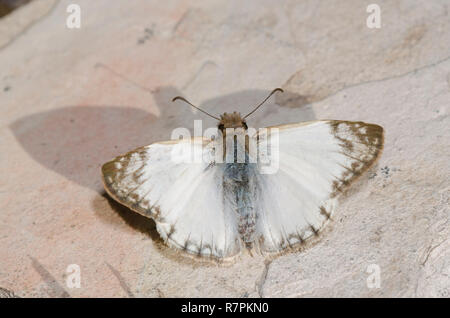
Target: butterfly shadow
{"points": [[75, 140]]}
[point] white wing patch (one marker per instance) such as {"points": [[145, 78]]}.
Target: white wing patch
{"points": [[317, 161], [185, 199]]}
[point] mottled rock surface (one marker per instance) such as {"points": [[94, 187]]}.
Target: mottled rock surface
{"points": [[71, 99]]}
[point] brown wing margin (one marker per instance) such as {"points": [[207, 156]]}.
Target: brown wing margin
{"points": [[361, 142], [113, 173]]}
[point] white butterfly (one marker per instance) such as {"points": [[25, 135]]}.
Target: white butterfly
{"points": [[217, 209]]}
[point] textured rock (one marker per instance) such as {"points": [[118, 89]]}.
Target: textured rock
{"points": [[73, 99]]}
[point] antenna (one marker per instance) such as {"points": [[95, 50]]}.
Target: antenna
{"points": [[271, 93], [185, 100]]}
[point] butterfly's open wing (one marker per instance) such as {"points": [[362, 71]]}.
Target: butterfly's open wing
{"points": [[317, 161], [184, 196]]}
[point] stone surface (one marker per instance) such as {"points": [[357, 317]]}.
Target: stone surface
{"points": [[71, 99]]}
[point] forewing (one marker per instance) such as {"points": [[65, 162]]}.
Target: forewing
{"points": [[184, 197], [317, 161]]}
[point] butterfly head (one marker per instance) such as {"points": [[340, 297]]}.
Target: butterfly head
{"points": [[232, 120]]}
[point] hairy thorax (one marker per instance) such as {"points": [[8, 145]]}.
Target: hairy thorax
{"points": [[239, 182]]}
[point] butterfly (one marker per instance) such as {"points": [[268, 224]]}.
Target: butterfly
{"points": [[218, 208]]}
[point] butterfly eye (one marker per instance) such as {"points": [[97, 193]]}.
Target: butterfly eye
{"points": [[221, 126]]}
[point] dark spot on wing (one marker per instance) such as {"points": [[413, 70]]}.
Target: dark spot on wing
{"points": [[324, 212]]}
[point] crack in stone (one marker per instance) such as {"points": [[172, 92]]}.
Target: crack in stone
{"points": [[430, 250], [29, 26], [415, 70], [262, 279], [54, 289], [121, 280]]}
